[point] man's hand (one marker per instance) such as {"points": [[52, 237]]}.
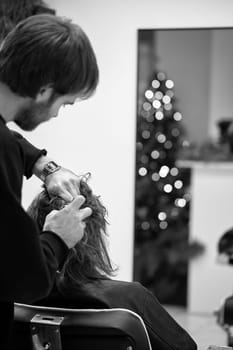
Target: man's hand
{"points": [[68, 223], [64, 184]]}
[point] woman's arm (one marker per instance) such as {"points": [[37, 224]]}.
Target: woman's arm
{"points": [[164, 332]]}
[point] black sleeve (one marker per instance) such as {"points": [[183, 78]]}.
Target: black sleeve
{"points": [[29, 153], [164, 332], [28, 261]]}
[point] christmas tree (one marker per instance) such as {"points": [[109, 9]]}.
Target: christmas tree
{"points": [[162, 247]]}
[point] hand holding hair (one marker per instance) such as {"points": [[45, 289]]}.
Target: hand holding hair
{"points": [[60, 182], [63, 183], [68, 223]]}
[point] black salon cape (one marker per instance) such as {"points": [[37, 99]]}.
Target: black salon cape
{"points": [[28, 262], [164, 332]]}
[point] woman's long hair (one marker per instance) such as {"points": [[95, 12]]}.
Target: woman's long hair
{"points": [[89, 259]]}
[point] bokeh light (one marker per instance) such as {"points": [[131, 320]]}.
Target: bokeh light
{"points": [[142, 171]]}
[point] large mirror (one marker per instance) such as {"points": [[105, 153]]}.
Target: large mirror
{"points": [[184, 111]]}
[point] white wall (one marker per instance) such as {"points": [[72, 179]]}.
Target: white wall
{"points": [[221, 83], [209, 282], [99, 135]]}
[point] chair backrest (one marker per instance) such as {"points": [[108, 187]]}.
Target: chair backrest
{"points": [[48, 328]]}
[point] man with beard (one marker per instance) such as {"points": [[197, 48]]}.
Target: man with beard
{"points": [[45, 62]]}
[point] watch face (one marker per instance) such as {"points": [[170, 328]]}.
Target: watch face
{"points": [[51, 166]]}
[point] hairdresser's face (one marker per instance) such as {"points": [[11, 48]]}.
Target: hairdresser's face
{"points": [[41, 109]]}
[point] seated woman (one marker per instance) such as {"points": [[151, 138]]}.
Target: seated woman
{"points": [[84, 281]]}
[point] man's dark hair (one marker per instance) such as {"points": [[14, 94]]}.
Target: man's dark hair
{"points": [[47, 50], [89, 259], [14, 11]]}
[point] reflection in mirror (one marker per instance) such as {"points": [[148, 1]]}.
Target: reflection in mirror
{"points": [[184, 111]]}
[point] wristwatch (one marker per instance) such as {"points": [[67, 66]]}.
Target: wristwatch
{"points": [[49, 168]]}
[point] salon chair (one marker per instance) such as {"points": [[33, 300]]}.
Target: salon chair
{"points": [[225, 313], [48, 328]]}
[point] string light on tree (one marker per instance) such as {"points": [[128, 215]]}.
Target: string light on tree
{"points": [[162, 189]]}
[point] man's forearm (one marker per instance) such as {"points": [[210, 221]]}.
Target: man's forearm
{"points": [[32, 156]]}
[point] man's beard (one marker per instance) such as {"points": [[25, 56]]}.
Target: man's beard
{"points": [[28, 118]]}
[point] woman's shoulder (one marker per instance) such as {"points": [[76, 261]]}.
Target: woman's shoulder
{"points": [[122, 291], [119, 284]]}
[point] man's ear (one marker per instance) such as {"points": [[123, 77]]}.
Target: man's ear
{"points": [[44, 94]]}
